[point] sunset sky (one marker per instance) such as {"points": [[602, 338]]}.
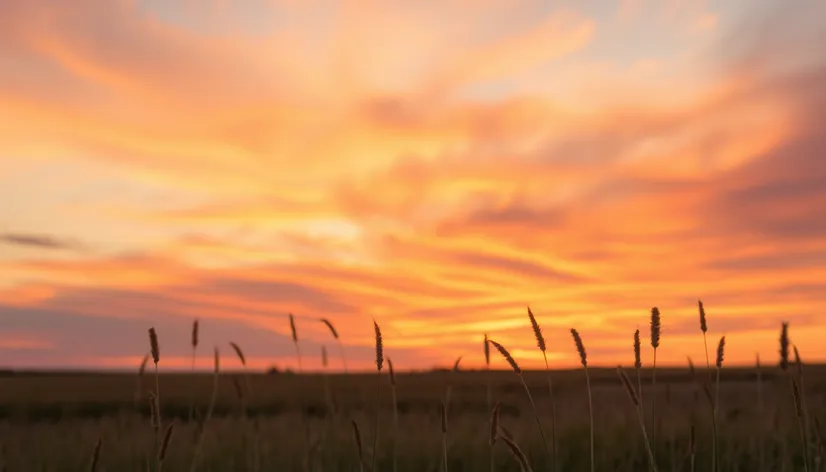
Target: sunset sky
{"points": [[433, 165]]}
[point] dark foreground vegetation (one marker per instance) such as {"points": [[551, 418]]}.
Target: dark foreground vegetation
{"points": [[762, 418]]}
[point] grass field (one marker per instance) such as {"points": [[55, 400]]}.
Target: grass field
{"points": [[285, 422]]}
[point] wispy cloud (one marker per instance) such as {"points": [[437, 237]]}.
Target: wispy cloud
{"points": [[39, 241]]}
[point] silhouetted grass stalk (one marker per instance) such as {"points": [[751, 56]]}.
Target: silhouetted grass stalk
{"points": [[210, 409], [338, 340], [635, 400], [760, 452], [518, 372], [443, 414], [449, 389], [395, 413], [655, 343], [490, 400], [379, 363], [638, 368], [155, 350], [139, 380], [540, 343], [95, 456], [192, 372], [583, 358], [716, 434], [359, 446], [803, 406]]}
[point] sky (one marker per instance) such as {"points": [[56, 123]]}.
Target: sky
{"points": [[434, 166]]}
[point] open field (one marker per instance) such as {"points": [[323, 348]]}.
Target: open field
{"points": [[51, 422]]}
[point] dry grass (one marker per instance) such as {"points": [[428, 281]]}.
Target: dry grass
{"points": [[263, 438], [512, 362], [540, 343]]}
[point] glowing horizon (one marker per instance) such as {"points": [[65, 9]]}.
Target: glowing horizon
{"points": [[435, 169]]}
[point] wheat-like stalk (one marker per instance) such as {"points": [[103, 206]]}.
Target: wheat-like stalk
{"points": [[759, 381], [635, 400], [494, 424], [379, 364], [489, 393], [540, 343], [784, 346], [638, 369], [517, 453], [165, 446], [328, 393], [443, 415], [518, 372], [359, 447], [721, 346], [241, 357], [803, 407], [210, 409], [692, 448], [392, 375], [704, 329], [334, 332], [194, 342], [801, 415], [583, 358], [294, 333], [96, 455], [139, 379], [239, 353], [449, 389], [156, 357], [655, 343]]}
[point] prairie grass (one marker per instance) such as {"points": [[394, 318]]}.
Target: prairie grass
{"points": [[48, 421]]}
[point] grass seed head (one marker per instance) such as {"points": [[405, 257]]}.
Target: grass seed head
{"points": [[655, 327], [391, 371], [537, 331], [580, 347], [324, 356], [784, 346], [379, 347], [637, 356], [292, 328], [487, 351], [703, 325], [167, 438], [217, 361], [517, 453], [239, 353], [456, 364], [195, 333], [144, 361], [330, 327], [721, 347], [798, 362], [507, 356], [494, 423], [153, 344]]}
